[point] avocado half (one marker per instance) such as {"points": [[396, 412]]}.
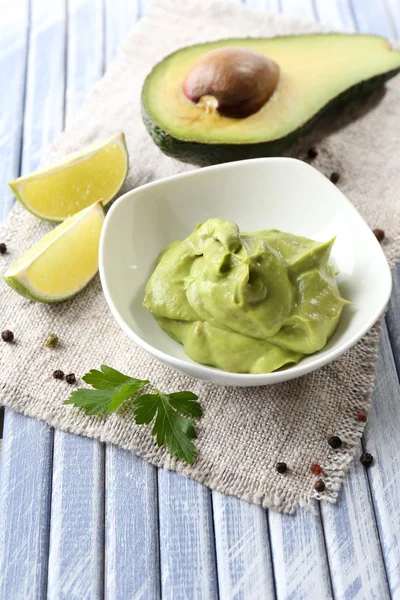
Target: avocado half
{"points": [[318, 72]]}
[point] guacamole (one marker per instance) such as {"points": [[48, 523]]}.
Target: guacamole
{"points": [[245, 302]]}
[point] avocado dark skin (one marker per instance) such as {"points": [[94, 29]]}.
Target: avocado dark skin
{"points": [[201, 154], [238, 80]]}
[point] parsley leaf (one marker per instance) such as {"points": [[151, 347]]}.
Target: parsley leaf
{"points": [[111, 390], [171, 426], [172, 415]]}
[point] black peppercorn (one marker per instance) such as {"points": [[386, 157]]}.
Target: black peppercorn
{"points": [[281, 467], [70, 378], [334, 177], [319, 486], [366, 459], [312, 153], [7, 336], [3, 248], [58, 374], [379, 234], [335, 442]]}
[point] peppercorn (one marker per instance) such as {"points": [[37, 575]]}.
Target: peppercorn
{"points": [[316, 469], [281, 467], [58, 374], [51, 341], [379, 234], [366, 459], [334, 177], [3, 248], [312, 153], [361, 417], [335, 442], [70, 378], [7, 336], [319, 486]]}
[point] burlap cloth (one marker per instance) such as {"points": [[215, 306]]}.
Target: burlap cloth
{"points": [[243, 432]]}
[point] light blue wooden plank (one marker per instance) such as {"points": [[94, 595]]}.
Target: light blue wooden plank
{"points": [[393, 319], [352, 540], [25, 484], [44, 110], [299, 557], [243, 549], [303, 9], [370, 17], [269, 5], [13, 54], [187, 552], [85, 62], [393, 12], [77, 519], [335, 13], [300, 564], [26, 468], [132, 554], [132, 558], [382, 441], [119, 18], [76, 558]]}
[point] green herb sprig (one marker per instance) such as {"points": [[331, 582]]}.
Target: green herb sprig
{"points": [[172, 415]]}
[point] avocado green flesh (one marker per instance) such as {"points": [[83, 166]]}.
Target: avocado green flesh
{"points": [[245, 302], [318, 72]]}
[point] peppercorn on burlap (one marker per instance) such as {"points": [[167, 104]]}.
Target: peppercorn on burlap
{"points": [[243, 432]]}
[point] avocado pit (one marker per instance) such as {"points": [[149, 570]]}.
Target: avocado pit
{"points": [[236, 82]]}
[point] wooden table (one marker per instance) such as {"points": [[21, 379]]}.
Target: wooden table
{"points": [[83, 520]]}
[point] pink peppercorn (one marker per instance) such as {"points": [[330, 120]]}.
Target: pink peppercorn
{"points": [[316, 469], [361, 417]]}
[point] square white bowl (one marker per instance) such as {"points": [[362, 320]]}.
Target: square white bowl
{"points": [[281, 193]]}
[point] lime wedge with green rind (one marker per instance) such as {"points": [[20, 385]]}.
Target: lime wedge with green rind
{"points": [[95, 173], [63, 262]]}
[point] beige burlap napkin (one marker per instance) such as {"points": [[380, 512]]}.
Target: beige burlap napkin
{"points": [[243, 432]]}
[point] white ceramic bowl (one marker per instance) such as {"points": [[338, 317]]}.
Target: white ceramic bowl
{"points": [[266, 193]]}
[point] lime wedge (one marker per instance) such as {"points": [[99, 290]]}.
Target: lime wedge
{"points": [[94, 173], [63, 262]]}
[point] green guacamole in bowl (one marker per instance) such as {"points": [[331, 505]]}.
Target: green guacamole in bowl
{"points": [[245, 302]]}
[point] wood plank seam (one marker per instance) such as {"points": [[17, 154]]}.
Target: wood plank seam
{"points": [[24, 93], [141, 8], [158, 535], [376, 518], [66, 29], [326, 549], [271, 554], [393, 347], [46, 574], [216, 555], [389, 18], [388, 318], [315, 11], [104, 512], [352, 14]]}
